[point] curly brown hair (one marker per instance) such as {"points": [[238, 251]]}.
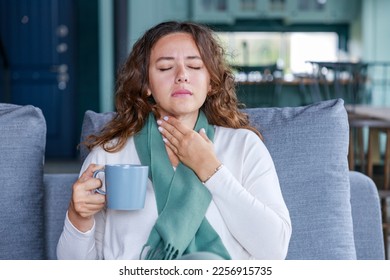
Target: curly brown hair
{"points": [[133, 104]]}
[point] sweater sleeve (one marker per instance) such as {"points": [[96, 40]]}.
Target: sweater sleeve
{"points": [[247, 193], [74, 244]]}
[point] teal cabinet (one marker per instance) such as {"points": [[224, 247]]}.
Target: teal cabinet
{"points": [[291, 11], [259, 9], [321, 11], [213, 11]]}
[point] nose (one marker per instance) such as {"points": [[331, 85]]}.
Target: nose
{"points": [[182, 76]]}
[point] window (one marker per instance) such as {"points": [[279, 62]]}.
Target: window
{"points": [[289, 50]]}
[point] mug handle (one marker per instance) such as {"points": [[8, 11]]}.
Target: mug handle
{"points": [[99, 190]]}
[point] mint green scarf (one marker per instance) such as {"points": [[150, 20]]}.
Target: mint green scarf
{"points": [[182, 200]]}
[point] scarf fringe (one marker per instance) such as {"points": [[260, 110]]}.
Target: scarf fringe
{"points": [[168, 253]]}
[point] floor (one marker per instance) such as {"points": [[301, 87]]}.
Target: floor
{"points": [[73, 166]]}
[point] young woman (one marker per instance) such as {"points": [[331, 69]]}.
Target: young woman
{"points": [[213, 185]]}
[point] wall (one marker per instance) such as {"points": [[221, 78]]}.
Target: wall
{"points": [[376, 43], [146, 13]]}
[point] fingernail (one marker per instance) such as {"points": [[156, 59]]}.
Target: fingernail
{"points": [[203, 130], [159, 122], [165, 140], [160, 129], [165, 118]]}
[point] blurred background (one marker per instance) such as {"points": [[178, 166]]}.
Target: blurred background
{"points": [[62, 55]]}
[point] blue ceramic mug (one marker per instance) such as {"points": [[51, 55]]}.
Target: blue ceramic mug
{"points": [[124, 185]]}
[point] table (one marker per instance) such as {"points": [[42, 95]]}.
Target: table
{"points": [[370, 111]]}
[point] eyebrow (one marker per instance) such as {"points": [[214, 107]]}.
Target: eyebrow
{"points": [[191, 57]]}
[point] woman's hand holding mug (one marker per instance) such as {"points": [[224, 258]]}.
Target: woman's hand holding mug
{"points": [[85, 202]]}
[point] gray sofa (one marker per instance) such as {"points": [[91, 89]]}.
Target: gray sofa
{"points": [[335, 213]]}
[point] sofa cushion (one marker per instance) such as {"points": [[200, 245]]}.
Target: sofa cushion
{"points": [[92, 124], [309, 146], [22, 149], [366, 214], [58, 191]]}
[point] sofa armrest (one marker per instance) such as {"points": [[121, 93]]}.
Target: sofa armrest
{"points": [[367, 218], [22, 150], [58, 189]]}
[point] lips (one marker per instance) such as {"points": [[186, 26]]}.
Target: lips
{"points": [[181, 92]]}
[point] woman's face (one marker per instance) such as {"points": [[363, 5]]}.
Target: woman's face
{"points": [[178, 78]]}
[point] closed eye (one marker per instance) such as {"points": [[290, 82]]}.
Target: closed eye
{"points": [[165, 69]]}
